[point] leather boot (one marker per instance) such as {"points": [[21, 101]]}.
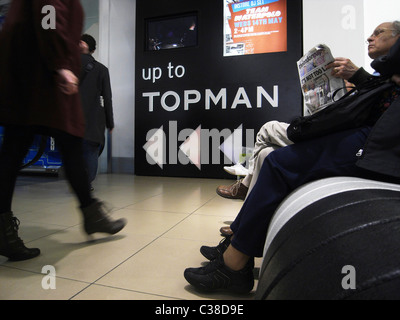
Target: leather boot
{"points": [[11, 246], [97, 220]]}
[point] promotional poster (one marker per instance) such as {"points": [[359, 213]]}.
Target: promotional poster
{"points": [[197, 109], [254, 27]]}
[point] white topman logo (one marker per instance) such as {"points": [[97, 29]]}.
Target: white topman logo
{"points": [[195, 146]]}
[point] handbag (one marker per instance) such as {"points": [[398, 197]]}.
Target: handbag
{"points": [[349, 112]]}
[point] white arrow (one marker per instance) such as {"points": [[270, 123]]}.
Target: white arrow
{"points": [[156, 148], [191, 147], [232, 146]]}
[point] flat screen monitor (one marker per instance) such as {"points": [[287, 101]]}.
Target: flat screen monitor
{"points": [[174, 32]]}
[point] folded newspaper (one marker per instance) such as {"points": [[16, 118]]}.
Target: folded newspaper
{"points": [[317, 83]]}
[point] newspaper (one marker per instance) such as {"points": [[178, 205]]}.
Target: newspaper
{"points": [[317, 83]]}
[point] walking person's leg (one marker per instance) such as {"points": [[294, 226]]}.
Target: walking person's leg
{"points": [[16, 143], [95, 216]]}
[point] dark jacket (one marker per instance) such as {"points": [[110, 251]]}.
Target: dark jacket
{"points": [[29, 58], [95, 86], [381, 152]]}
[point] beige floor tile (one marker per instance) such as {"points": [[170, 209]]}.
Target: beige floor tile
{"points": [[22, 285], [159, 270], [97, 292], [74, 257], [169, 219], [151, 223], [200, 228], [170, 203], [31, 231], [64, 214], [219, 206]]}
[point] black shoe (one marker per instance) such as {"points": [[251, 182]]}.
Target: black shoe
{"points": [[96, 219], [212, 253], [11, 245], [217, 276]]}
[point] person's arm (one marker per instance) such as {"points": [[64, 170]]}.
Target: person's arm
{"points": [[345, 69], [360, 76], [107, 98], [67, 81], [57, 45]]}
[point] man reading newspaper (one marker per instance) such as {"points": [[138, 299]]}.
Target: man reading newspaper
{"points": [[284, 170], [322, 80]]}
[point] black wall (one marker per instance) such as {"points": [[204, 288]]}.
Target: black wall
{"points": [[206, 68]]}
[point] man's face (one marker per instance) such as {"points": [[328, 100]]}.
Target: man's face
{"points": [[84, 47], [381, 40]]}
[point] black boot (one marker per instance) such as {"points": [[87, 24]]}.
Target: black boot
{"points": [[97, 220], [11, 245]]}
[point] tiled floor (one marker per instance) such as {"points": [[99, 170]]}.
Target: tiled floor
{"points": [[168, 220]]}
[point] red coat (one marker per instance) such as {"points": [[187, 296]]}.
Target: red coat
{"points": [[29, 57]]}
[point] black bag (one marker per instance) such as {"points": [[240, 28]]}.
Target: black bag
{"points": [[351, 111]]}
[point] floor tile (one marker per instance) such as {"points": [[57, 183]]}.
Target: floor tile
{"points": [[169, 219], [159, 270], [23, 285], [97, 292]]}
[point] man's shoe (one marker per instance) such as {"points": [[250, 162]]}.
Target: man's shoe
{"points": [[212, 253], [217, 276], [236, 190], [226, 231], [237, 170]]}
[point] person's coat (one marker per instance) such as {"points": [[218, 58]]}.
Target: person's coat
{"points": [[381, 152], [96, 94], [30, 54]]}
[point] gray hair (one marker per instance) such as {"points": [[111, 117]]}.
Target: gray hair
{"points": [[396, 28]]}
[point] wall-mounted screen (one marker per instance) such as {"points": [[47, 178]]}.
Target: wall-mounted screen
{"points": [[255, 26], [172, 32]]}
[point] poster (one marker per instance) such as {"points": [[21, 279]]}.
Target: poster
{"points": [[255, 27], [198, 111]]}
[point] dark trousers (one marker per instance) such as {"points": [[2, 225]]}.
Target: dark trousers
{"points": [[288, 168], [16, 143], [91, 152]]}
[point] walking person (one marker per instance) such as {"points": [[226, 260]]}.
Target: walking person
{"points": [[96, 94], [39, 69]]}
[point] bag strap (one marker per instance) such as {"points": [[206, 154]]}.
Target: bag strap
{"points": [[353, 89], [371, 83]]}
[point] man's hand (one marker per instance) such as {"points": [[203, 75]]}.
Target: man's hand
{"points": [[342, 68], [67, 82]]}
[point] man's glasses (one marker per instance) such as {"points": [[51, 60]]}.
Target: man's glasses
{"points": [[378, 32]]}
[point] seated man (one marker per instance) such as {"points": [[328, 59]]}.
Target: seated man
{"points": [[288, 168], [273, 135]]}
